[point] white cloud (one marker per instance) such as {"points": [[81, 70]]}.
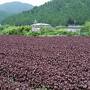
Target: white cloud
{"points": [[33, 2]]}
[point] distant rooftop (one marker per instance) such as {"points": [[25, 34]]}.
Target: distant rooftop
{"points": [[37, 24]]}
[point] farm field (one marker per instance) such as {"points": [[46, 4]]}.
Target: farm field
{"points": [[56, 63]]}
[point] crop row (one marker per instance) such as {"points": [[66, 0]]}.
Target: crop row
{"points": [[57, 63]]}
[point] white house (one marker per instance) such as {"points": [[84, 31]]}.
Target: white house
{"points": [[37, 26], [74, 28]]}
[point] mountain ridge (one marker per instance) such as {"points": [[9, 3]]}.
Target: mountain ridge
{"points": [[15, 7], [10, 8]]}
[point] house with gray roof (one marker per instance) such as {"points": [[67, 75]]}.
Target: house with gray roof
{"points": [[37, 26]]}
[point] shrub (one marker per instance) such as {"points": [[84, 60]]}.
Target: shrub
{"points": [[26, 30], [85, 31], [16, 30], [33, 33]]}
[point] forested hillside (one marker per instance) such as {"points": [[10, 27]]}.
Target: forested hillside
{"points": [[55, 12]]}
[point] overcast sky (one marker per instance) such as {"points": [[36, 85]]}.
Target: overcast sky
{"points": [[33, 2]]}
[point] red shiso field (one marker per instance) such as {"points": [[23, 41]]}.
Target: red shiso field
{"points": [[58, 63]]}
